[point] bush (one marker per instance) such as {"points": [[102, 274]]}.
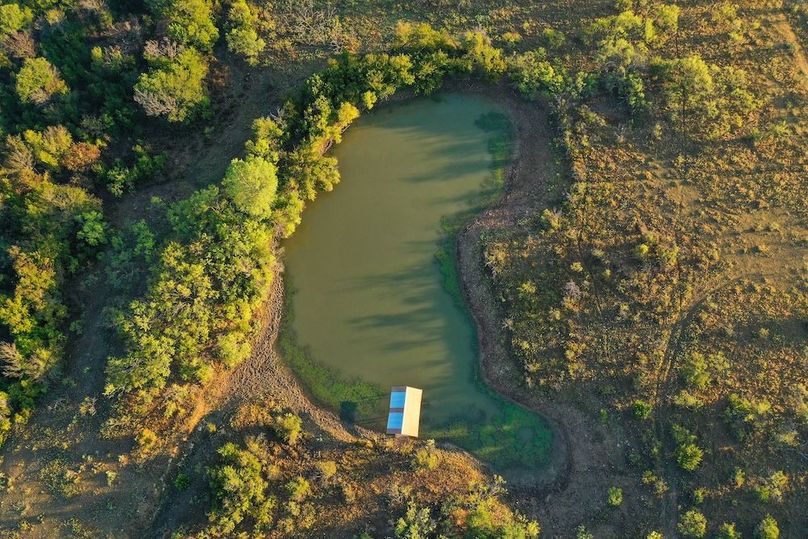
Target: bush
{"points": [[239, 491], [692, 524], [533, 75], [615, 498], [14, 18], [288, 427], [298, 489], [688, 454], [642, 409], [415, 523], [727, 531], [424, 458], [767, 529], [326, 469]]}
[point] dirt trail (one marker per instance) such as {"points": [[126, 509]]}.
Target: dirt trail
{"points": [[782, 25]]}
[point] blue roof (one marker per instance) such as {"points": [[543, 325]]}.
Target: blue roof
{"points": [[397, 399], [395, 420]]}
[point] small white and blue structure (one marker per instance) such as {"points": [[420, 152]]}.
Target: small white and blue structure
{"points": [[405, 411]]}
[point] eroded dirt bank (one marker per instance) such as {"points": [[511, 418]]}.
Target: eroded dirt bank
{"points": [[585, 459]]}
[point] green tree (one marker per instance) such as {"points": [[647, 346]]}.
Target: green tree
{"points": [[416, 523], [288, 427], [242, 37], [175, 87], [706, 100], [14, 18], [251, 185], [615, 498], [38, 81], [767, 529], [692, 524], [727, 531], [190, 22], [533, 75]]}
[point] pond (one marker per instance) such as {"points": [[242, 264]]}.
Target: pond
{"points": [[373, 295]]}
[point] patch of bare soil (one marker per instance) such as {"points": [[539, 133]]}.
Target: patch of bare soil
{"points": [[586, 457]]}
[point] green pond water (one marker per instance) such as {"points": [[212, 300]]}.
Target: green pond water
{"points": [[373, 297]]}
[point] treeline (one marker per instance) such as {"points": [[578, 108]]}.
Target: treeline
{"points": [[75, 82]]}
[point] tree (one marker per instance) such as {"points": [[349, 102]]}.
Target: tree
{"points": [[767, 529], [416, 523], [38, 81], [711, 99], [14, 18], [688, 454], [242, 38], [190, 22], [533, 75], [727, 531], [615, 498], [251, 185], [288, 427], [175, 87], [692, 524]]}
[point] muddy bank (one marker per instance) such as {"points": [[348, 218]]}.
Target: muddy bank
{"points": [[584, 456]]}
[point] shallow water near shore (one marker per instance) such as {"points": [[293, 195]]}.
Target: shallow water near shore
{"points": [[373, 295]]}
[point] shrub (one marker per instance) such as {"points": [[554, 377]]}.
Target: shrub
{"points": [[298, 489], [692, 524], [642, 409], [688, 454], [615, 498], [552, 38], [727, 531], [415, 523], [533, 75], [424, 458], [146, 440], [14, 18], [239, 491], [767, 528], [326, 469], [288, 427]]}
